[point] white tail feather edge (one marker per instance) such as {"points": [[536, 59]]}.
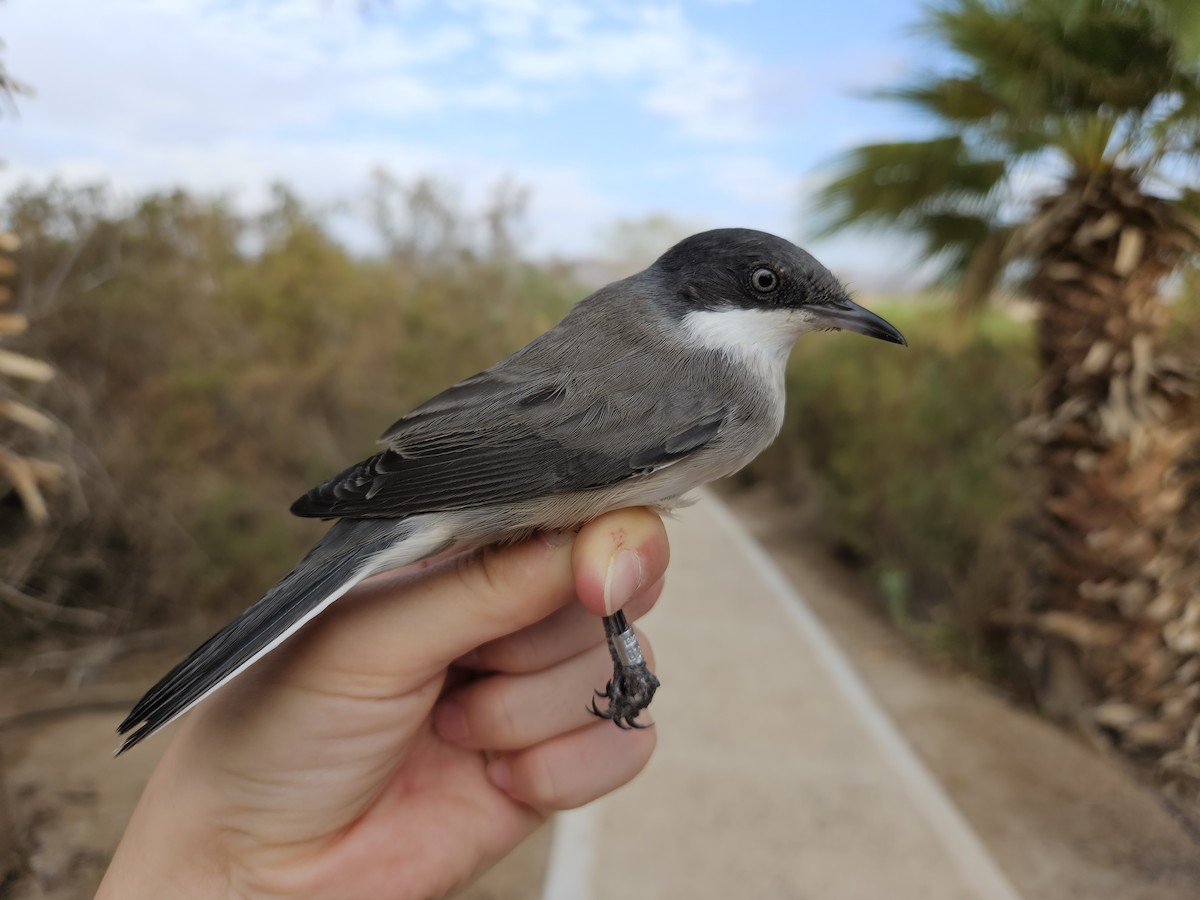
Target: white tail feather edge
{"points": [[416, 546]]}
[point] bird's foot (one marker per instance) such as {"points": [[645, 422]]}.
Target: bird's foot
{"points": [[629, 692], [633, 685]]}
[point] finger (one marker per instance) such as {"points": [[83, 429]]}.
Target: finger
{"points": [[509, 712], [561, 635], [405, 623], [615, 557], [414, 624], [575, 768]]}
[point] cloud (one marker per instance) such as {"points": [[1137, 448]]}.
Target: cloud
{"points": [[604, 110], [752, 180], [214, 66], [565, 208], [193, 69], [526, 20], [680, 73]]}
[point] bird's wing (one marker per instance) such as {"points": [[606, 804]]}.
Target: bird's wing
{"points": [[510, 434]]}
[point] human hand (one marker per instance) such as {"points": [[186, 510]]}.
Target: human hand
{"points": [[429, 721]]}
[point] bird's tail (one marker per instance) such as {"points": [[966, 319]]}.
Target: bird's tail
{"points": [[349, 552]]}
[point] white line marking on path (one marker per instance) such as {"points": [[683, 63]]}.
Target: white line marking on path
{"points": [[570, 869], [927, 793]]}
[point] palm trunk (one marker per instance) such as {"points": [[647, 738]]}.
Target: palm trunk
{"points": [[1114, 606]]}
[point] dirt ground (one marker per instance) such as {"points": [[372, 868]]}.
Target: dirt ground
{"points": [[1060, 818]]}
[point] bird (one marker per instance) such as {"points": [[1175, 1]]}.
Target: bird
{"points": [[647, 388]]}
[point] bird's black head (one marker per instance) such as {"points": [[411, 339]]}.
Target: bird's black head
{"points": [[737, 268]]}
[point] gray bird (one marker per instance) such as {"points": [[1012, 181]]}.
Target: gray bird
{"points": [[649, 387]]}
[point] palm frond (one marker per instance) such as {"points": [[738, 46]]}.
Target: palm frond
{"points": [[936, 190], [879, 184], [965, 100], [947, 230], [1104, 85], [981, 271], [1063, 57], [1180, 18]]}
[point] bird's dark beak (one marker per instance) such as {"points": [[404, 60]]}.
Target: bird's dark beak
{"points": [[845, 314]]}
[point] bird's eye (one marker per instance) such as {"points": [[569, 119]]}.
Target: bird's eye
{"points": [[764, 280]]}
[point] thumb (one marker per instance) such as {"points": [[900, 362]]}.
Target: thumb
{"points": [[616, 555]]}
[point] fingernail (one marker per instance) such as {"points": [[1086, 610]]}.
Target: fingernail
{"points": [[500, 772], [451, 721], [623, 578]]}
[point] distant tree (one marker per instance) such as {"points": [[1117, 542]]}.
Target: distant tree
{"points": [[9, 86], [1100, 100]]}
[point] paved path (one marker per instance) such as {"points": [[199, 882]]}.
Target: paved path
{"points": [[776, 773]]}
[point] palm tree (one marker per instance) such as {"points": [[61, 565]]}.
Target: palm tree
{"points": [[1097, 102]]}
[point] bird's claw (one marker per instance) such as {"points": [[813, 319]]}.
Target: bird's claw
{"points": [[629, 692]]}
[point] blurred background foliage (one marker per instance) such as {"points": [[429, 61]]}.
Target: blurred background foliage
{"points": [[212, 366], [906, 464]]}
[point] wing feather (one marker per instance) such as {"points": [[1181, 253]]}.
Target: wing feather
{"points": [[508, 436]]}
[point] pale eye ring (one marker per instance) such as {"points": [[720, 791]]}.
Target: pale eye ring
{"points": [[764, 280]]}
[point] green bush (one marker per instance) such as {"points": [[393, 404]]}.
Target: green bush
{"points": [[909, 453]]}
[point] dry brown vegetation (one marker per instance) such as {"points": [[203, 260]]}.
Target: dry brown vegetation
{"points": [[213, 365]]}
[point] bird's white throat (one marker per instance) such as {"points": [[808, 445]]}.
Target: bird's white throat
{"points": [[761, 339]]}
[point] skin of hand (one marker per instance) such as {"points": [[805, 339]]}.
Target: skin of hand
{"points": [[431, 721]]}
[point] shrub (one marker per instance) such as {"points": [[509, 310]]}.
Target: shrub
{"points": [[908, 454], [216, 365]]}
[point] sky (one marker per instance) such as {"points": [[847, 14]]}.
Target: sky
{"points": [[712, 112]]}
